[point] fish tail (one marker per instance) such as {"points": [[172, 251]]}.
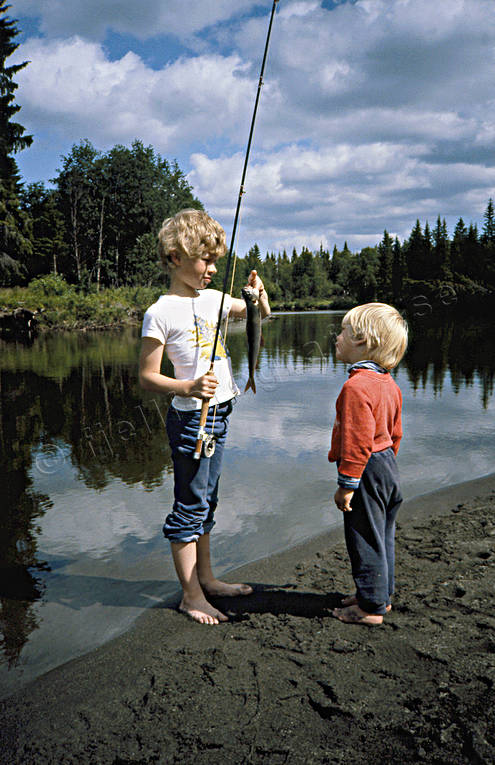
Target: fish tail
{"points": [[250, 384]]}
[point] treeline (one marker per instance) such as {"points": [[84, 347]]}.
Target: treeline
{"points": [[96, 227], [428, 263]]}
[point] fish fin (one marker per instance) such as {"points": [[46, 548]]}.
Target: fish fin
{"points": [[250, 384]]}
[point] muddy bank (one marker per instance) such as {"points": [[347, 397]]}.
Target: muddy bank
{"points": [[284, 682]]}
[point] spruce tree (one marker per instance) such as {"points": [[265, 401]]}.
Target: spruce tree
{"points": [[473, 254], [427, 254], [362, 275], [253, 260], [415, 248], [270, 276], [386, 258], [442, 269], [15, 246], [284, 268], [325, 261], [304, 275], [334, 265], [488, 245], [458, 248], [399, 272], [488, 235]]}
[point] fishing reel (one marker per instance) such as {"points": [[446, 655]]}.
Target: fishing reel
{"points": [[205, 444], [209, 444]]}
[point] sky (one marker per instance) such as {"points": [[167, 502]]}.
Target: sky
{"points": [[373, 113]]}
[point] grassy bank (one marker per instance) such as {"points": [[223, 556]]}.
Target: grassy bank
{"points": [[62, 306]]}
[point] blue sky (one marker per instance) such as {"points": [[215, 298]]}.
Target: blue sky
{"points": [[373, 113]]}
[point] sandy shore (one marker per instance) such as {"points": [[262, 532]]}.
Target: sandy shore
{"points": [[283, 681]]}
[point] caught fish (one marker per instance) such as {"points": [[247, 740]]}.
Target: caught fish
{"points": [[253, 331]]}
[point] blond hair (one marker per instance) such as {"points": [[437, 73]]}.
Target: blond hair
{"points": [[383, 329], [191, 234]]}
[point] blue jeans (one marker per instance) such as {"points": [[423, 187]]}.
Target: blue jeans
{"points": [[195, 481], [370, 532]]}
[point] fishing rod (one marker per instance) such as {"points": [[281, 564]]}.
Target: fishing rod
{"points": [[202, 435]]}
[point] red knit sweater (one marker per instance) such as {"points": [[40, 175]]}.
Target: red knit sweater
{"points": [[368, 420]]}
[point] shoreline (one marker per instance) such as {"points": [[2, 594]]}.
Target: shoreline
{"points": [[284, 664], [306, 545], [418, 507], [42, 329]]}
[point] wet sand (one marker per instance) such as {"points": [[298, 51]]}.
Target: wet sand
{"points": [[285, 682]]}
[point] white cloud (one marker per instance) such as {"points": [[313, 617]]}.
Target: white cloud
{"points": [[143, 20], [73, 89], [298, 8], [299, 197], [372, 114]]}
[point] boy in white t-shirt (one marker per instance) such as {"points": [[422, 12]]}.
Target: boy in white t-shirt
{"points": [[183, 322]]}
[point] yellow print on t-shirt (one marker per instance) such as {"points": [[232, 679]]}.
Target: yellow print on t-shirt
{"points": [[203, 337]]}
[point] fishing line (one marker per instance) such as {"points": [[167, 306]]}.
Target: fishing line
{"points": [[223, 335], [226, 325], [204, 409]]}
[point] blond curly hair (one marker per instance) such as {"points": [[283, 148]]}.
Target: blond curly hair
{"points": [[383, 329], [191, 234]]}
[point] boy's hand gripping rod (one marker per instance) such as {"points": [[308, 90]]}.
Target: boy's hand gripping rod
{"points": [[202, 435]]}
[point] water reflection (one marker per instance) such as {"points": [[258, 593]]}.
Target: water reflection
{"points": [[78, 436], [68, 401], [21, 507], [455, 344]]}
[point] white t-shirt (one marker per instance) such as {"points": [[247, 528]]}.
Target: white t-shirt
{"points": [[186, 326]]}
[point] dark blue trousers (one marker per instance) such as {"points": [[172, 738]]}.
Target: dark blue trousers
{"points": [[195, 481], [370, 532]]}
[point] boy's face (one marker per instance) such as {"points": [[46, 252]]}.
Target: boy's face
{"points": [[194, 273], [348, 349]]}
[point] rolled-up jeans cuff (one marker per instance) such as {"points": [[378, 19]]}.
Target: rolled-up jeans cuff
{"points": [[186, 535], [207, 526], [184, 538], [371, 608], [174, 533]]}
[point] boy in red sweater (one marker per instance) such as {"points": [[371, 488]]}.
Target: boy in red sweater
{"points": [[365, 442]]}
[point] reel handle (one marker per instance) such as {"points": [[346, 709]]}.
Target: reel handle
{"points": [[202, 422]]}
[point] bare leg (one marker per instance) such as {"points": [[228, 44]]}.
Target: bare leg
{"points": [[209, 583], [193, 603]]}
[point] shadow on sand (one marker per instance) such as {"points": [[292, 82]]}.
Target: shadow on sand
{"points": [[276, 599]]}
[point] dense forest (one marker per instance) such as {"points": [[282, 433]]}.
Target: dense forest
{"points": [[427, 265], [95, 227]]}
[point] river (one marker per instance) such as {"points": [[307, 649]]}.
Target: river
{"points": [[87, 479]]}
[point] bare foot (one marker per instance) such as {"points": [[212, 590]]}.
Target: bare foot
{"points": [[351, 600], [355, 615], [224, 590], [201, 611]]}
